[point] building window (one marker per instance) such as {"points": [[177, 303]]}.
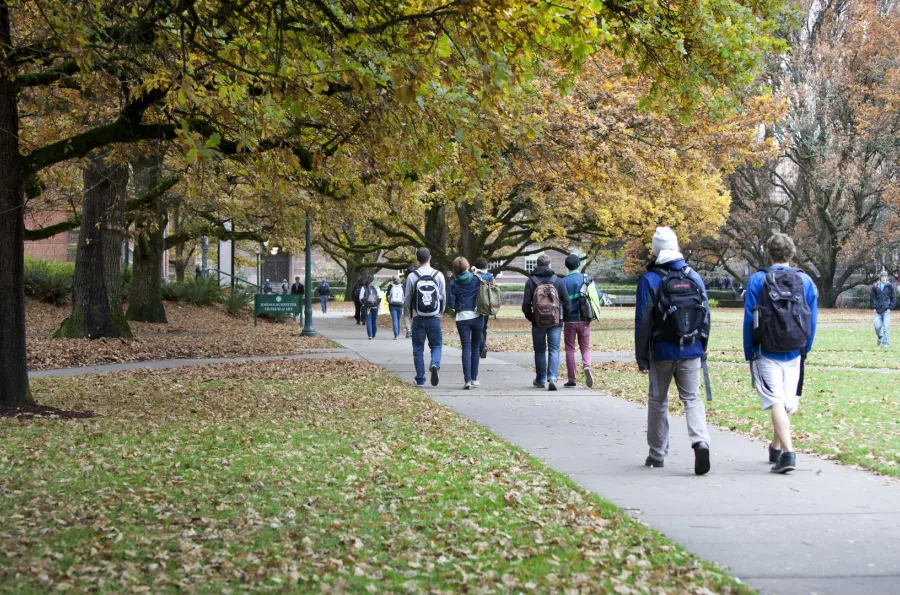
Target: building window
{"points": [[495, 264], [72, 245], [531, 263]]}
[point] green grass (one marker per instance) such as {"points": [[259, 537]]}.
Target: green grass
{"points": [[300, 476]]}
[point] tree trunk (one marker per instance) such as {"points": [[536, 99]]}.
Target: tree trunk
{"points": [[145, 303], [13, 367], [97, 300], [468, 240], [436, 234], [352, 277]]}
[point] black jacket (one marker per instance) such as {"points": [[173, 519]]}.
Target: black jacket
{"points": [[543, 274], [882, 299], [356, 290], [297, 289]]}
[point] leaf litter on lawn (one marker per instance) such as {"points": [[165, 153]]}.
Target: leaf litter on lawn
{"points": [[192, 333], [310, 476]]}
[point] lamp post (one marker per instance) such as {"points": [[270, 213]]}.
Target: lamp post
{"points": [[258, 284], [308, 329]]}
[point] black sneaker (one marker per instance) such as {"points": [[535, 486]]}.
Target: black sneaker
{"points": [[570, 384], [538, 384], [484, 352], [701, 458], [651, 462], [786, 462], [551, 385], [434, 375], [774, 453], [589, 378]]}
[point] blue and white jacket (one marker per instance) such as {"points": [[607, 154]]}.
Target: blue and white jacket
{"points": [[647, 290], [751, 299]]}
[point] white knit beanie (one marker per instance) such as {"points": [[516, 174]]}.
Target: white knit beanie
{"points": [[664, 239]]}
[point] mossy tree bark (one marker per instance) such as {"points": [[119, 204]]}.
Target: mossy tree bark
{"points": [[13, 367], [145, 301], [96, 299]]}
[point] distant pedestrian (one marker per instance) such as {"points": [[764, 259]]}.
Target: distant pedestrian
{"points": [[396, 297], [577, 328], [285, 287], [324, 291], [298, 289], [357, 304], [670, 336], [370, 297], [545, 304], [462, 296], [780, 314], [267, 287], [426, 300], [407, 317], [481, 270], [883, 299]]}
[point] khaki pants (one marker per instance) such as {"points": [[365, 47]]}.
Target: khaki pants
{"points": [[687, 375]]}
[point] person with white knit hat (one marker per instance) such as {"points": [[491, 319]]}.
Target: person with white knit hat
{"points": [[671, 333]]}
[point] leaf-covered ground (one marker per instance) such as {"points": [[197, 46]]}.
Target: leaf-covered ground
{"points": [[192, 332], [305, 476]]}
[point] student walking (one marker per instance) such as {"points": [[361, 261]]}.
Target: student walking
{"points": [[545, 305], [670, 336], [425, 301], [577, 327], [370, 297], [324, 291], [882, 300], [357, 303], [780, 314], [462, 296], [480, 269], [407, 318], [285, 287], [298, 289], [396, 297]]}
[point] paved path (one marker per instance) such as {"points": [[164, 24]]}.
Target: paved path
{"points": [[824, 529]]}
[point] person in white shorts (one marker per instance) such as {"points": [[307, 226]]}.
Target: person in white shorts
{"points": [[780, 312]]}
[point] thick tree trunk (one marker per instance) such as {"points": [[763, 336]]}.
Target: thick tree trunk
{"points": [[436, 234], [97, 300], [13, 367], [145, 302], [468, 240], [352, 277]]}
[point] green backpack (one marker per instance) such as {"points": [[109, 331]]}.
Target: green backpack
{"points": [[589, 300], [488, 301]]}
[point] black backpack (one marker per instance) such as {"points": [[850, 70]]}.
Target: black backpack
{"points": [[371, 296], [782, 319], [427, 298], [681, 311]]}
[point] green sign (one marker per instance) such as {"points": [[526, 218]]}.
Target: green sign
{"points": [[276, 304]]}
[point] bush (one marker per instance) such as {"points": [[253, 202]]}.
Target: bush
{"points": [[49, 281], [173, 292], [202, 291], [713, 303], [235, 301]]}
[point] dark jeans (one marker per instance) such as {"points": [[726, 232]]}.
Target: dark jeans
{"points": [[396, 314], [357, 315], [426, 328], [471, 333], [371, 315], [324, 299]]}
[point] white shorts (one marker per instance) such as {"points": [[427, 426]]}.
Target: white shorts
{"points": [[776, 382]]}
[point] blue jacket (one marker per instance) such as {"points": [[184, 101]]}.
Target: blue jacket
{"points": [[573, 282], [462, 296], [647, 290], [751, 299]]}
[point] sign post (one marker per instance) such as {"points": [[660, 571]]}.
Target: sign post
{"points": [[275, 304]]}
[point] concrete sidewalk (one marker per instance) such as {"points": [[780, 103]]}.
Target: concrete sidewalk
{"points": [[824, 529]]}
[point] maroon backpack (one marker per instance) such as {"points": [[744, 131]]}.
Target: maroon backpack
{"points": [[545, 303]]}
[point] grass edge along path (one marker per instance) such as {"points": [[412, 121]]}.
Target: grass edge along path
{"points": [[306, 476]]}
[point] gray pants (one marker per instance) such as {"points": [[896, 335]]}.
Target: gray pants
{"points": [[688, 375]]}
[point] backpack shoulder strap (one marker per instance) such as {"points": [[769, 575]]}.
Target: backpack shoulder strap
{"points": [[536, 281]]}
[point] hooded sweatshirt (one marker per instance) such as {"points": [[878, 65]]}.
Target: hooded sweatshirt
{"points": [[544, 274], [645, 348]]}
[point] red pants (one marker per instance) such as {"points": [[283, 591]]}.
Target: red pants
{"points": [[581, 331]]}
